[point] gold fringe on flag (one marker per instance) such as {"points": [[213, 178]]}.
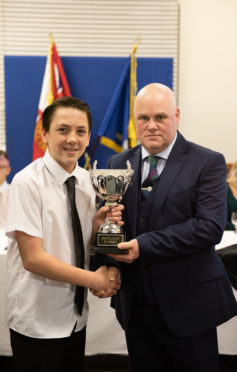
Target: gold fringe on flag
{"points": [[132, 137], [87, 158]]}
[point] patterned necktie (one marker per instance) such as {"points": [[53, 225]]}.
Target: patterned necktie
{"points": [[152, 177], [78, 240]]}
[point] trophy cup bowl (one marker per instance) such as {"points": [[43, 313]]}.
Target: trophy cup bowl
{"points": [[110, 185]]}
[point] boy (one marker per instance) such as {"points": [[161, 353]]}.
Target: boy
{"points": [[47, 332], [5, 170]]}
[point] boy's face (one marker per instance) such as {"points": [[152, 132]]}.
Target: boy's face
{"points": [[4, 172], [4, 169], [68, 136]]}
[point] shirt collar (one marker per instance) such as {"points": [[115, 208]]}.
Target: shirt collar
{"points": [[4, 186], [163, 154], [58, 172]]}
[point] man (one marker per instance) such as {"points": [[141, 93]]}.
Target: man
{"points": [[47, 327], [5, 170], [175, 290]]}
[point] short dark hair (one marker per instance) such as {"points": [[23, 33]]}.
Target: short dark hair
{"points": [[72, 102], [4, 154]]}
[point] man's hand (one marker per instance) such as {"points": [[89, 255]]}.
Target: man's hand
{"points": [[108, 282], [133, 252], [113, 273]]}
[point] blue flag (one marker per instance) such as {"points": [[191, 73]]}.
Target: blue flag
{"points": [[113, 131]]}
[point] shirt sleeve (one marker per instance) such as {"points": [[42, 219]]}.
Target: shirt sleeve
{"points": [[24, 208]]}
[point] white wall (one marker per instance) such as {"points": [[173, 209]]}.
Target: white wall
{"points": [[87, 28], [208, 57], [208, 74]]}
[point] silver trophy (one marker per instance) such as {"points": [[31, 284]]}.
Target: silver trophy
{"points": [[110, 185]]}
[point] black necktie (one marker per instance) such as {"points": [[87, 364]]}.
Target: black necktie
{"points": [[152, 177], [78, 240]]}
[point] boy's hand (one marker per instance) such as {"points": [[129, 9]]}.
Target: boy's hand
{"points": [[107, 282]]}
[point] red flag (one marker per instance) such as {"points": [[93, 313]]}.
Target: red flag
{"points": [[54, 86]]}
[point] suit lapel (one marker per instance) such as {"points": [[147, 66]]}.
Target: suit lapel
{"points": [[133, 191]]}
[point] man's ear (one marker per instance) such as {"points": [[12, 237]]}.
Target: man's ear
{"points": [[177, 115]]}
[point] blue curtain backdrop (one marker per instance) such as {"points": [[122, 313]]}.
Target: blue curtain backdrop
{"points": [[93, 79]]}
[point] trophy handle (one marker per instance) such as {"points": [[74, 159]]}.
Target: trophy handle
{"points": [[128, 165], [94, 165]]}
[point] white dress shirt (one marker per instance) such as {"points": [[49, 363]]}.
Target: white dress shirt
{"points": [[4, 189], [39, 206]]}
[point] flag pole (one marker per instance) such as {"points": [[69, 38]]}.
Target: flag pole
{"points": [[132, 137]]}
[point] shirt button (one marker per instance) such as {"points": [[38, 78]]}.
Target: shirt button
{"points": [[141, 219]]}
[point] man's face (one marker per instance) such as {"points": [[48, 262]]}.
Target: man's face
{"points": [[156, 119], [68, 136]]}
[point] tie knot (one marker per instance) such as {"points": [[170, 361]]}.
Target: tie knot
{"points": [[153, 159], [70, 182]]}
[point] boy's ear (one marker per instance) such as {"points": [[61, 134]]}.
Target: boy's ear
{"points": [[44, 136], [89, 139]]}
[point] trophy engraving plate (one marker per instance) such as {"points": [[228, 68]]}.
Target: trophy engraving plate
{"points": [[109, 239]]}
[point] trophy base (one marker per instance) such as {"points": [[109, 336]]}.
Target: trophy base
{"points": [[110, 250], [107, 243]]}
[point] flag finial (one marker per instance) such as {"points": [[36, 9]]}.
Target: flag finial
{"points": [[51, 39]]}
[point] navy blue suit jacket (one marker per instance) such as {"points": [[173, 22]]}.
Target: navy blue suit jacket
{"points": [[184, 219]]}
